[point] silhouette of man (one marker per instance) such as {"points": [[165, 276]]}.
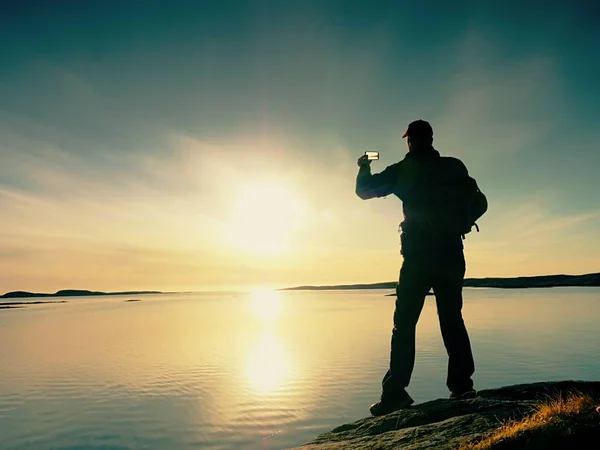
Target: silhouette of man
{"points": [[432, 190]]}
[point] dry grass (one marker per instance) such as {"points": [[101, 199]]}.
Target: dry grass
{"points": [[556, 416]]}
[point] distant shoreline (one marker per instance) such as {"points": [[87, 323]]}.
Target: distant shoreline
{"points": [[542, 281], [73, 293]]}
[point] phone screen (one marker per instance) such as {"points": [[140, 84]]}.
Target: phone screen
{"points": [[372, 155]]}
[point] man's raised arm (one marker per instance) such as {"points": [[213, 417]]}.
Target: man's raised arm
{"points": [[377, 185]]}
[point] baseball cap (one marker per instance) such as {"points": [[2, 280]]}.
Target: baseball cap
{"points": [[418, 128]]}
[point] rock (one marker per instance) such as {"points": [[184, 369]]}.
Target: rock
{"points": [[448, 424]]}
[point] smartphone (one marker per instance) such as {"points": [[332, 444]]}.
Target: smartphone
{"points": [[372, 155]]}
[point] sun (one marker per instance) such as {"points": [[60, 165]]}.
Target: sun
{"points": [[264, 219]]}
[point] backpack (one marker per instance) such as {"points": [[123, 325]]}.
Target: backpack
{"points": [[439, 197], [436, 206], [476, 206]]}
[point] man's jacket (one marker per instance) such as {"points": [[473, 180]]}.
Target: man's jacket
{"points": [[434, 191]]}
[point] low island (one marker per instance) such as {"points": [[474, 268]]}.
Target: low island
{"points": [[72, 293], [542, 281]]}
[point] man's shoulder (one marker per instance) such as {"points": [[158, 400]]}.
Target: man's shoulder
{"points": [[394, 167], [452, 163], [451, 160]]}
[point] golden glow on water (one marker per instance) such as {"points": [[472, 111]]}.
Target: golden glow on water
{"points": [[271, 369], [268, 364], [267, 361]]}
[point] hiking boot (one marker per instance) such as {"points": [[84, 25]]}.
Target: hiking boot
{"points": [[388, 405], [463, 395]]}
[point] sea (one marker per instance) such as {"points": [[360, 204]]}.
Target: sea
{"points": [[257, 370]]}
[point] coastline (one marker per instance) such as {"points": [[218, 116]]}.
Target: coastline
{"points": [[72, 293], [541, 281]]}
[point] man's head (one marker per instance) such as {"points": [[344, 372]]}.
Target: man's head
{"points": [[419, 135]]}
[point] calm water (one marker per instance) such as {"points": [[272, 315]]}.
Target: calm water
{"points": [[263, 371]]}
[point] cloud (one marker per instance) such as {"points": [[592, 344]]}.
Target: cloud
{"points": [[163, 218], [169, 210]]}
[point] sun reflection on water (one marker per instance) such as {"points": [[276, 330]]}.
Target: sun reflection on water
{"points": [[268, 364]]}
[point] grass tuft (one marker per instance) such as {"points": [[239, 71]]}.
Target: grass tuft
{"points": [[553, 417]]}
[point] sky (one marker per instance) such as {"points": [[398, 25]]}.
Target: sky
{"points": [[210, 145]]}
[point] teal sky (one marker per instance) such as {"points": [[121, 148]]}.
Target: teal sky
{"points": [[130, 132]]}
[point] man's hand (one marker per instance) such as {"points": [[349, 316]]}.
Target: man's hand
{"points": [[363, 160]]}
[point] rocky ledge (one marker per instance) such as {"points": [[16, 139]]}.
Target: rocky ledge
{"points": [[547, 415]]}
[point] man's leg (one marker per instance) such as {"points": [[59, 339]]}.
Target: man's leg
{"points": [[447, 286], [412, 288]]}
